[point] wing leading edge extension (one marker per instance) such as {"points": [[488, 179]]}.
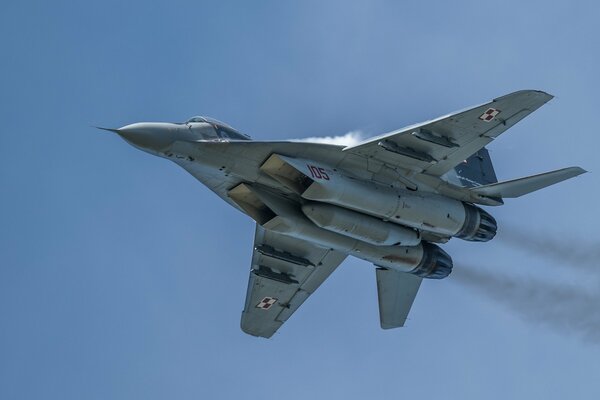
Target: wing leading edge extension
{"points": [[285, 272]]}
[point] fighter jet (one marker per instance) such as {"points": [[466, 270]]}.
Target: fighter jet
{"points": [[391, 200]]}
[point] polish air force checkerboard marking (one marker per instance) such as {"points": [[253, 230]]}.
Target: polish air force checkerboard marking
{"points": [[489, 114], [266, 303]]}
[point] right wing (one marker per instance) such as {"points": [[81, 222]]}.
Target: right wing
{"points": [[435, 147], [285, 272], [396, 292]]}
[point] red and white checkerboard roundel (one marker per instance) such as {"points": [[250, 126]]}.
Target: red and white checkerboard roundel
{"points": [[489, 114], [266, 303]]}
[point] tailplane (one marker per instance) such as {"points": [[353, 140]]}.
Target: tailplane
{"points": [[477, 175], [519, 187]]}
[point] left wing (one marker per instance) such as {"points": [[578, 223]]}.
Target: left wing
{"points": [[285, 272], [435, 147]]}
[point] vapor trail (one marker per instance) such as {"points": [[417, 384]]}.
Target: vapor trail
{"points": [[563, 307], [349, 139], [566, 249]]}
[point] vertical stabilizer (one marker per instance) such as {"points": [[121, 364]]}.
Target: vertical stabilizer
{"points": [[476, 170]]}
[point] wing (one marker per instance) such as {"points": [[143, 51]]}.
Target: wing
{"points": [[285, 272], [437, 146], [396, 292]]}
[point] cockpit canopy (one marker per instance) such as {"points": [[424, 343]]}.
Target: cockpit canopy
{"points": [[199, 118], [222, 130]]}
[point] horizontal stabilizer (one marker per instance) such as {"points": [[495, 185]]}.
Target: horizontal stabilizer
{"points": [[521, 186]]}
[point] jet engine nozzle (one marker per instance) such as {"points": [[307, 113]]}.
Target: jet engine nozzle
{"points": [[479, 225], [436, 263]]}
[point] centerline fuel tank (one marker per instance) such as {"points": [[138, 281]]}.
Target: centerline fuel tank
{"points": [[360, 226]]}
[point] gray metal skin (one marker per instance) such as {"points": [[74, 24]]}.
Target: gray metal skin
{"points": [[195, 148], [415, 164], [222, 163]]}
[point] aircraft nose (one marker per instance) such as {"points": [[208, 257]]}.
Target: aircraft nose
{"points": [[146, 135]]}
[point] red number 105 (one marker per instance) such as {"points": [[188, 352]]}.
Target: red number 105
{"points": [[317, 172]]}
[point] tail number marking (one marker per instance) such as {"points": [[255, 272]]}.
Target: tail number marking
{"points": [[317, 172]]}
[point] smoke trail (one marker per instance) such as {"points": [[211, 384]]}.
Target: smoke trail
{"points": [[565, 308], [577, 253], [349, 139]]}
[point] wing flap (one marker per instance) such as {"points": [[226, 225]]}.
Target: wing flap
{"points": [[396, 293]]}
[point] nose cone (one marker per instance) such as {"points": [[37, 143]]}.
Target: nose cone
{"points": [[148, 136]]}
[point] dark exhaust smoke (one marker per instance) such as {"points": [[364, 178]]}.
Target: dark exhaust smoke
{"points": [[564, 250], [561, 307]]}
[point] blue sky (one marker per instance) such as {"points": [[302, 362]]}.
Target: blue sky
{"points": [[122, 277]]}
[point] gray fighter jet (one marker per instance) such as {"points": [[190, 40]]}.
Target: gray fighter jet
{"points": [[390, 200]]}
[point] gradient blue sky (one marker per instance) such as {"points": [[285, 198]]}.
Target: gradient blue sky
{"points": [[122, 277]]}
